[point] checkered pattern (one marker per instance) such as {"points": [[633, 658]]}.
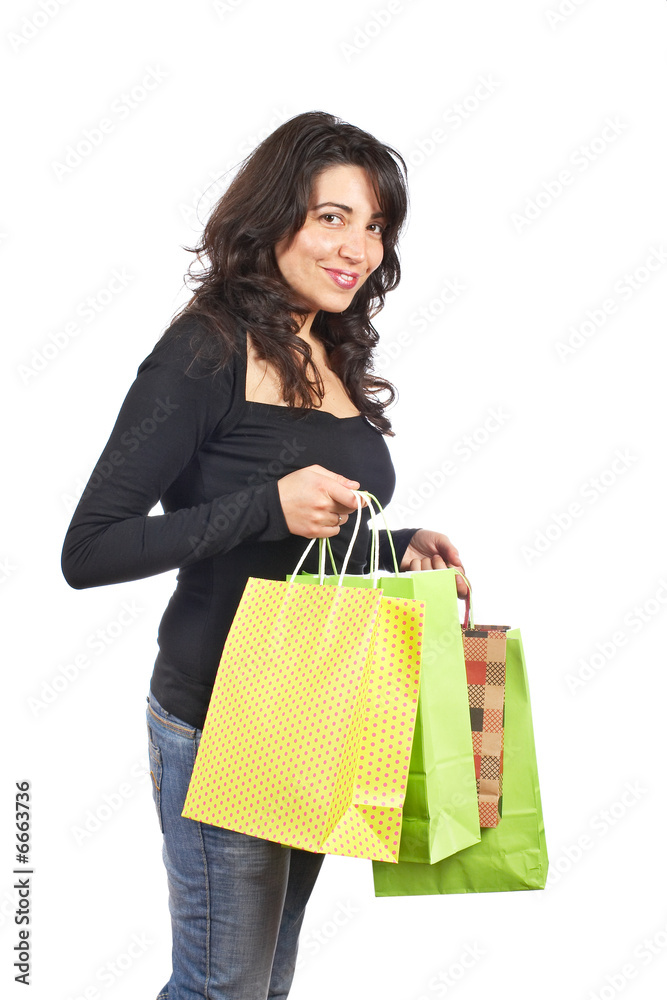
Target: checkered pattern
{"points": [[484, 652]]}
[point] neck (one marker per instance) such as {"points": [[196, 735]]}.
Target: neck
{"points": [[304, 331]]}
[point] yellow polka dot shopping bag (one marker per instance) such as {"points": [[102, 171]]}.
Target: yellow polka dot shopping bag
{"points": [[309, 730]]}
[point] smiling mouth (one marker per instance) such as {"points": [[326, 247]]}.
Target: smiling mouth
{"points": [[344, 279]]}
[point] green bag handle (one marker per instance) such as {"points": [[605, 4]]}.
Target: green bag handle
{"points": [[375, 538], [322, 558], [331, 555], [468, 621], [375, 558]]}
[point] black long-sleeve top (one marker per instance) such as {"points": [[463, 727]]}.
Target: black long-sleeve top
{"points": [[186, 437]]}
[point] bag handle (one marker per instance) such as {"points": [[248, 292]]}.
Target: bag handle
{"points": [[358, 495], [375, 553], [468, 616], [323, 558], [375, 558], [375, 544], [375, 539]]}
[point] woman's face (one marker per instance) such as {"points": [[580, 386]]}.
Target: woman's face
{"points": [[340, 243]]}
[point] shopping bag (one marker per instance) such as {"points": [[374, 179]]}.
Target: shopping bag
{"points": [[484, 648], [309, 729], [440, 812], [512, 855]]}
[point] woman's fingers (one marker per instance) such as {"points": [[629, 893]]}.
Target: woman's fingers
{"points": [[427, 562], [316, 502], [344, 501]]}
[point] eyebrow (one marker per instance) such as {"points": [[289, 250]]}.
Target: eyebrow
{"points": [[346, 208]]}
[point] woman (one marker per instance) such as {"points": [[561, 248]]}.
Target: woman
{"points": [[251, 422]]}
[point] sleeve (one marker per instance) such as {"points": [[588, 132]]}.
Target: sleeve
{"points": [[165, 418]]}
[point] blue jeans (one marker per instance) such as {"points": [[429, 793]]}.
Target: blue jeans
{"points": [[236, 902]]}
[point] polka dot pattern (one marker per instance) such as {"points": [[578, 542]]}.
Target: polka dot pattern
{"points": [[309, 730]]}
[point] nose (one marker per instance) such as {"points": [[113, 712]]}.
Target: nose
{"points": [[353, 245]]}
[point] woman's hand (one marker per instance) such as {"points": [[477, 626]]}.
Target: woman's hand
{"points": [[313, 498], [431, 550]]}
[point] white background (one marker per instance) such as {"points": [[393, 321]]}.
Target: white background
{"points": [[593, 586]]}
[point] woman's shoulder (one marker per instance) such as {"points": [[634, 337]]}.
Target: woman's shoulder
{"points": [[197, 369], [196, 348]]}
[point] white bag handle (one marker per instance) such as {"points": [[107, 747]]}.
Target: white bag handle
{"points": [[375, 539], [375, 543], [358, 494]]}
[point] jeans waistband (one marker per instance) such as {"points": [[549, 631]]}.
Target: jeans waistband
{"points": [[172, 721]]}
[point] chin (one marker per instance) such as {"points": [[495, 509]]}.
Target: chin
{"points": [[337, 308], [338, 305]]}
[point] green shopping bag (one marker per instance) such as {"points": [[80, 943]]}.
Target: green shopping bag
{"points": [[440, 811], [512, 855]]}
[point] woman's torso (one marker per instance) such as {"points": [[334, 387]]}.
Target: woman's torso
{"points": [[259, 442]]}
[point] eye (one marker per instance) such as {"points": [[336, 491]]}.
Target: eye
{"points": [[329, 215], [378, 226]]}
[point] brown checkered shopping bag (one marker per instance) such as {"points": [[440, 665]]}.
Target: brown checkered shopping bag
{"points": [[484, 651]]}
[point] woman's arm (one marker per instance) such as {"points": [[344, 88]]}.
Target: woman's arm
{"points": [[165, 418]]}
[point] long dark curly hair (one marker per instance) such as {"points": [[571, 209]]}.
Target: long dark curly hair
{"points": [[266, 202]]}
